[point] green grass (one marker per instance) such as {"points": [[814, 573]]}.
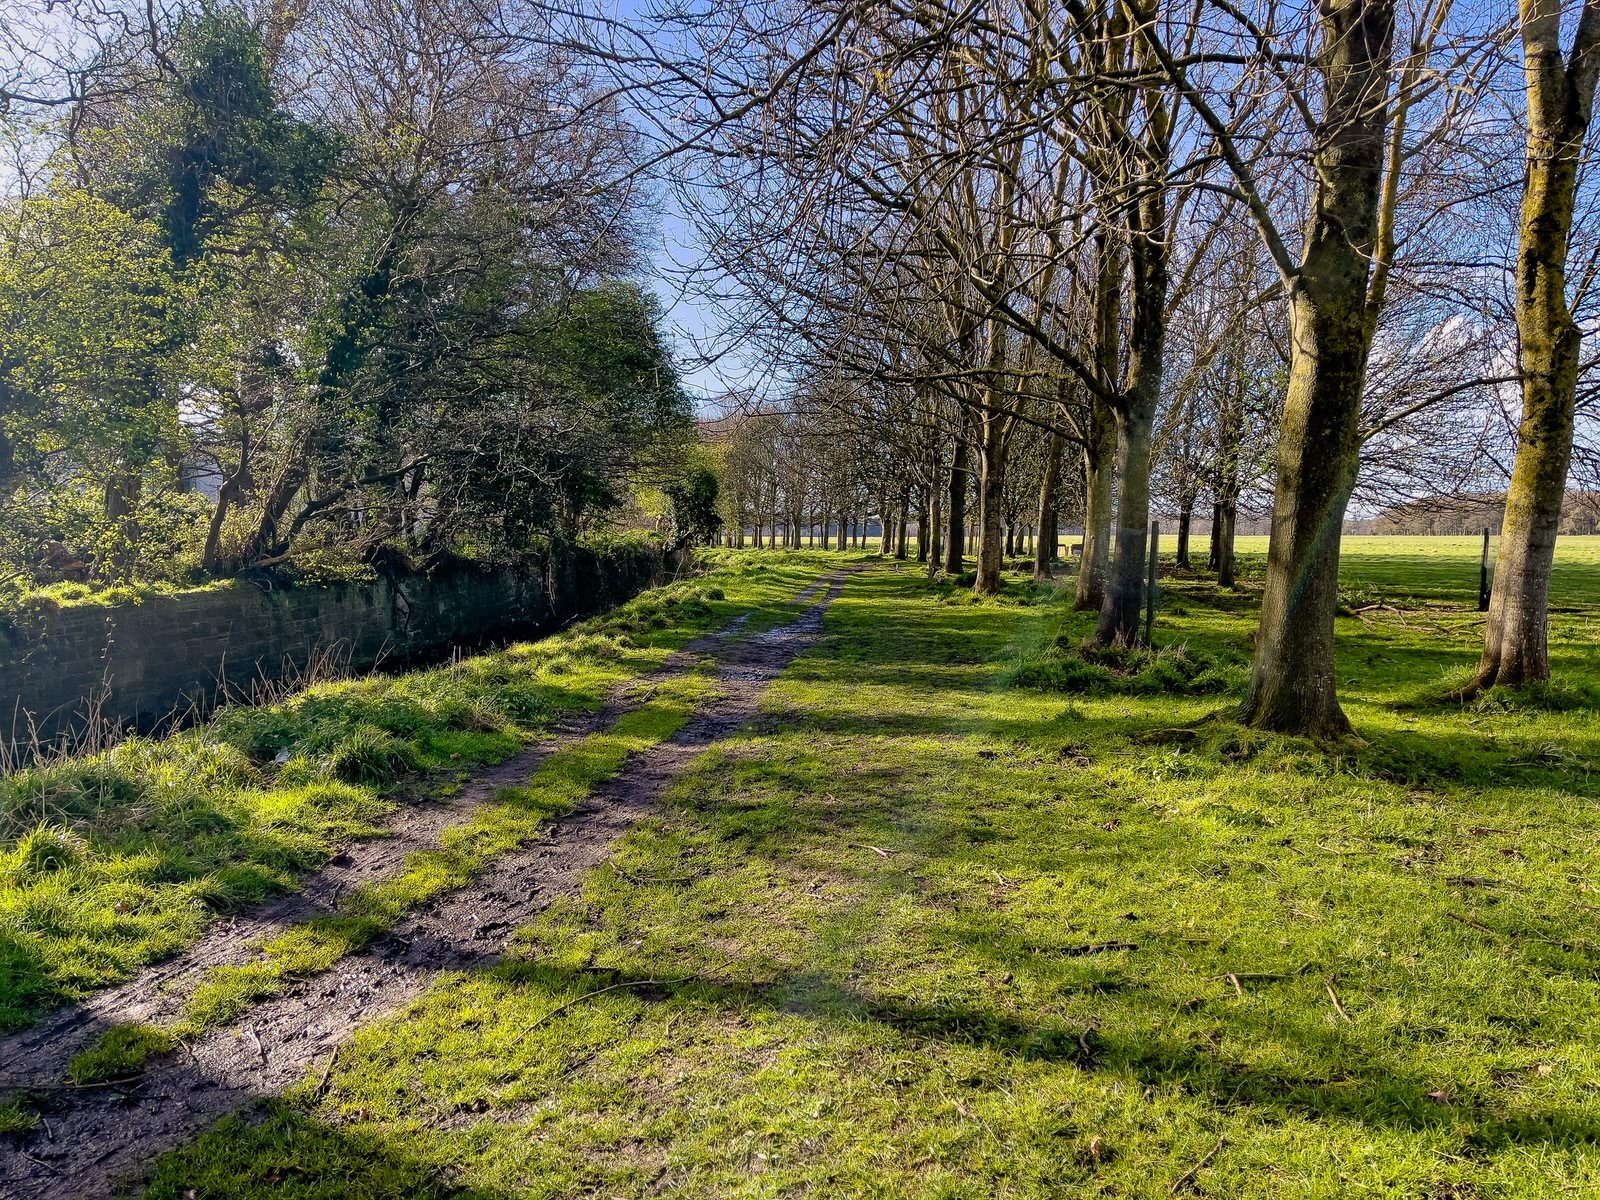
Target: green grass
{"points": [[1434, 568], [927, 932], [225, 993], [112, 861]]}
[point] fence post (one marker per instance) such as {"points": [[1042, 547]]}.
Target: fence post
{"points": [[1483, 574], [1150, 589]]}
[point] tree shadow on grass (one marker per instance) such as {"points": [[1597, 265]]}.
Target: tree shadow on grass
{"points": [[1374, 1091], [275, 1150]]}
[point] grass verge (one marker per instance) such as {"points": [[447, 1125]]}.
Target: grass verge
{"points": [[112, 861]]}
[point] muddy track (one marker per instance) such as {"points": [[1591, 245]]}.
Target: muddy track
{"points": [[88, 1138], [39, 1055]]}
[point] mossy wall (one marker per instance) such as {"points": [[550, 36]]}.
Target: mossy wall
{"points": [[140, 664]]}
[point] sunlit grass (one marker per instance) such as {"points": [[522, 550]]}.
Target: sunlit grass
{"points": [[111, 862], [928, 934]]}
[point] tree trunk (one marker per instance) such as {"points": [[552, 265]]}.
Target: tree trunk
{"points": [[1185, 518], [1216, 535], [1292, 686], [1098, 458], [1044, 547], [1121, 609], [211, 556], [956, 511], [991, 502], [1227, 518], [1560, 102], [122, 493]]}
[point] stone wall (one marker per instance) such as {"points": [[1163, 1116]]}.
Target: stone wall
{"points": [[141, 664]]}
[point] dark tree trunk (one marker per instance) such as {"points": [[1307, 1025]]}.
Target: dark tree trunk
{"points": [[1227, 517], [956, 511], [1044, 549], [1121, 612], [1122, 607], [991, 502], [122, 493], [1185, 518]]}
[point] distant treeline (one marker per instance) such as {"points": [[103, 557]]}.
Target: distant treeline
{"points": [[1580, 514]]}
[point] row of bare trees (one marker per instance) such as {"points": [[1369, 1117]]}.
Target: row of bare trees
{"points": [[1159, 236], [1130, 244]]}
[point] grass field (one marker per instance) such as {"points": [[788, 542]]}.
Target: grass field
{"points": [[1442, 568], [930, 932]]}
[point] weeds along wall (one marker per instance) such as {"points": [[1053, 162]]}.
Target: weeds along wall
{"points": [[86, 667]]}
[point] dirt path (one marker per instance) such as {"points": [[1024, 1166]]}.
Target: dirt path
{"points": [[89, 1137], [38, 1056]]}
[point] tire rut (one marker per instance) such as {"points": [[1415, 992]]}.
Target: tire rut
{"points": [[90, 1137], [38, 1056]]}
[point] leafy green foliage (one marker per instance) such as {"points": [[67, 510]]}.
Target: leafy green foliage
{"points": [[246, 333]]}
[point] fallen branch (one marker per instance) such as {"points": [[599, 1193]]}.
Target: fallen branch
{"points": [[1186, 1180], [1505, 932], [612, 987], [1337, 1007], [24, 1088], [1300, 970], [561, 1008], [653, 880]]}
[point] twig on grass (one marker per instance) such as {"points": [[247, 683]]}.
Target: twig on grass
{"points": [[327, 1069], [1511, 933], [653, 880], [611, 987], [1186, 1180], [1337, 1007], [1300, 970], [1098, 948]]}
